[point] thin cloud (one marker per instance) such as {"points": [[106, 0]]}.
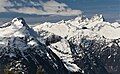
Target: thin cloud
{"points": [[43, 8]]}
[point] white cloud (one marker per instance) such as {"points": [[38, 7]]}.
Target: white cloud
{"points": [[53, 3], [49, 7], [2, 3]]}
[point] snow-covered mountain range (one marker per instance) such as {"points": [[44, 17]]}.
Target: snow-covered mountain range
{"points": [[76, 46], [93, 37]]}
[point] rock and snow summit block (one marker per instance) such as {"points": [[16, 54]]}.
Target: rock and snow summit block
{"points": [[17, 29]]}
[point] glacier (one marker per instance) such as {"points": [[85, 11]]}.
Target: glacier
{"points": [[76, 46]]}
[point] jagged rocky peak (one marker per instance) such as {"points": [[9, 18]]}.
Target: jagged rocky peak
{"points": [[97, 18], [80, 18], [19, 21], [10, 28], [17, 33]]}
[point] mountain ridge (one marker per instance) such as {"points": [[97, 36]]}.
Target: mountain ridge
{"points": [[75, 46]]}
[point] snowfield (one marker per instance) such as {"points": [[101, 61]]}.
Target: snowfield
{"points": [[80, 45]]}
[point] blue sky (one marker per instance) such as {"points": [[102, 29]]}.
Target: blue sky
{"points": [[109, 8], [34, 8]]}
